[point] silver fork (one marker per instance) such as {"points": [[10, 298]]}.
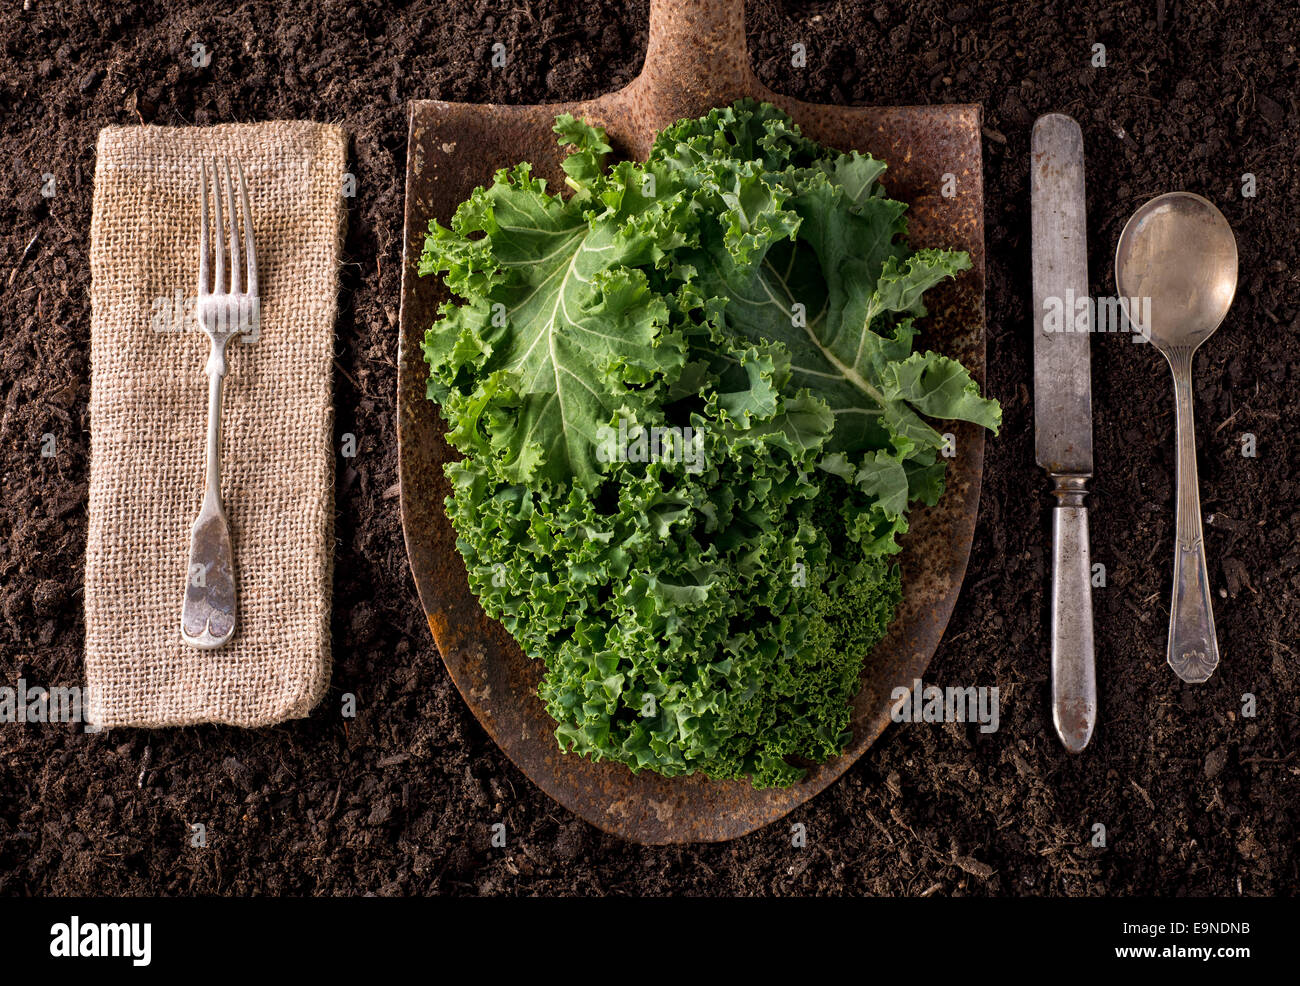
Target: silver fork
{"points": [[208, 613]]}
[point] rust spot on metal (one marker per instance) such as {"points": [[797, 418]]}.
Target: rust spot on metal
{"points": [[696, 60]]}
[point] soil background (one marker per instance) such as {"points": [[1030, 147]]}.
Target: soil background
{"points": [[1195, 797]]}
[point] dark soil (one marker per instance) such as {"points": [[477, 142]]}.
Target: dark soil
{"points": [[1195, 797]]}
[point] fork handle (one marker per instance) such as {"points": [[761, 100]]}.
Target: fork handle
{"points": [[208, 613]]}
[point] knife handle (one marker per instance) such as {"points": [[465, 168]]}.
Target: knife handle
{"points": [[1074, 676]]}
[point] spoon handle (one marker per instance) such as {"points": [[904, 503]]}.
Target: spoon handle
{"points": [[1193, 648]]}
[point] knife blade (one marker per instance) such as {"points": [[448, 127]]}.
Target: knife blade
{"points": [[1063, 410]]}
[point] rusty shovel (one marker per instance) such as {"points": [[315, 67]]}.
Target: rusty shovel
{"points": [[696, 59]]}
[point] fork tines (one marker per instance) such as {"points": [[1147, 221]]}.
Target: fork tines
{"points": [[248, 285]]}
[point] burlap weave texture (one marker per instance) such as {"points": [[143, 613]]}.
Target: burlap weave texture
{"points": [[148, 419]]}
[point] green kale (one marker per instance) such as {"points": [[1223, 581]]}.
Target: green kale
{"points": [[692, 422]]}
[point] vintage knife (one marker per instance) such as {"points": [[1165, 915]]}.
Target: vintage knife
{"points": [[1063, 410]]}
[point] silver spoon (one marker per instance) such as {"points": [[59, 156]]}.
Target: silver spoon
{"points": [[1178, 251]]}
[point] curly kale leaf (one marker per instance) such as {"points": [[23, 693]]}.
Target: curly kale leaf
{"points": [[692, 422]]}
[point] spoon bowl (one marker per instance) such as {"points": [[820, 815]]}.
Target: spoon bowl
{"points": [[1177, 250], [1176, 272]]}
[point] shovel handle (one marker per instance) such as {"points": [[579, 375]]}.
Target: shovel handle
{"points": [[696, 56]]}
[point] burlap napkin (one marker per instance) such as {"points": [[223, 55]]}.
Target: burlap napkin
{"points": [[148, 419]]}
